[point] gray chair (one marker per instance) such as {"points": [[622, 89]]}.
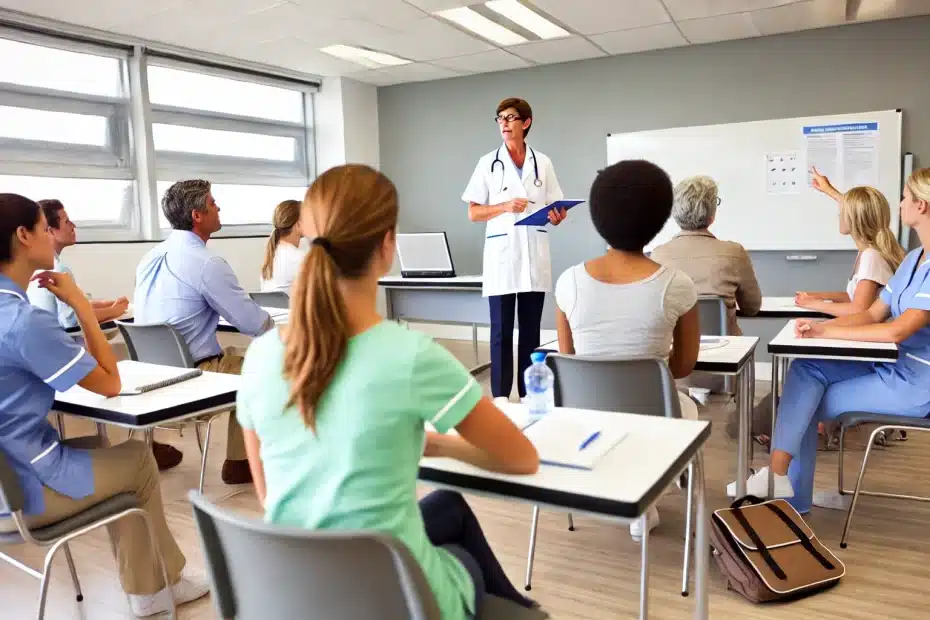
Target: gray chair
{"points": [[713, 315], [885, 423], [56, 536], [275, 299], [160, 343], [261, 571], [644, 386]]}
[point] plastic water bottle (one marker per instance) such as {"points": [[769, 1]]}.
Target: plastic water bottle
{"points": [[540, 390]]}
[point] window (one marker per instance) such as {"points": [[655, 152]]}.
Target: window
{"points": [[243, 204], [64, 130]]}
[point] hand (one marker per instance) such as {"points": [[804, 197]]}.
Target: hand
{"points": [[807, 328], [62, 286], [433, 445], [121, 304], [516, 205], [556, 216], [804, 299], [820, 182]]}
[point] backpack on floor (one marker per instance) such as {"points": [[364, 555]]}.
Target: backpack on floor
{"points": [[767, 552]]}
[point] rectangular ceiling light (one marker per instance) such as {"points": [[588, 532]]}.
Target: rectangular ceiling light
{"points": [[525, 17], [365, 57], [482, 26]]}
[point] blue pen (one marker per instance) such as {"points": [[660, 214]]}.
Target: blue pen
{"points": [[587, 442]]}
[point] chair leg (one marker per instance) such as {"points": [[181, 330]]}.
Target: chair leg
{"points": [[73, 570], [839, 470], [528, 585], [852, 505], [689, 511], [46, 577], [199, 438], [206, 452], [571, 523]]}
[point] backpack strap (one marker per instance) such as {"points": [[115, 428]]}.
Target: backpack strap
{"points": [[805, 541], [757, 541]]}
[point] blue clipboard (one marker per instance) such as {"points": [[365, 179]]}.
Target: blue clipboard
{"points": [[541, 217]]}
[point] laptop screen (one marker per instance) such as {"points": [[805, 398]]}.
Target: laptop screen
{"points": [[424, 255]]}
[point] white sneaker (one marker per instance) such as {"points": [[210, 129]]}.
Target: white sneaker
{"points": [[701, 395], [832, 500], [758, 485], [636, 527], [187, 589]]}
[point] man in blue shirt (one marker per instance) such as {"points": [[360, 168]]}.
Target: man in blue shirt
{"points": [[182, 283], [64, 234]]}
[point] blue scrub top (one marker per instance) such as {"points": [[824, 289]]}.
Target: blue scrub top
{"points": [[909, 288], [37, 358]]}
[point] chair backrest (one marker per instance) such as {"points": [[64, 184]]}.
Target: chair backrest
{"points": [[261, 571], [713, 315], [274, 299], [156, 343], [11, 493], [644, 385]]}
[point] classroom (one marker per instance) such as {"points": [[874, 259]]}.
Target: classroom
{"points": [[649, 274]]}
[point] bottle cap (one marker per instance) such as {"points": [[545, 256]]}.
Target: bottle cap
{"points": [[538, 357]]}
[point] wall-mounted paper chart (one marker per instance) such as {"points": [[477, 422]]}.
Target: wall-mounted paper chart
{"points": [[784, 173], [846, 153]]}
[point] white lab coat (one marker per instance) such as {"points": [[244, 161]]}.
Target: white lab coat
{"points": [[516, 258]]}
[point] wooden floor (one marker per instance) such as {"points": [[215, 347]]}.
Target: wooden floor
{"points": [[591, 573]]}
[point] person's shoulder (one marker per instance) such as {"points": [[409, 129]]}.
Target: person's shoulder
{"points": [[677, 277], [23, 320], [265, 352], [542, 158]]}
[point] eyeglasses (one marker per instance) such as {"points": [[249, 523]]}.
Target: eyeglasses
{"points": [[507, 119], [718, 201]]}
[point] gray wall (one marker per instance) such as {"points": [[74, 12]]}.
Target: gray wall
{"points": [[432, 133]]}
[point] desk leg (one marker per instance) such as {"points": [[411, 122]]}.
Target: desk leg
{"points": [[149, 436], [743, 408], [776, 367], [701, 543], [644, 569], [60, 420], [474, 341]]}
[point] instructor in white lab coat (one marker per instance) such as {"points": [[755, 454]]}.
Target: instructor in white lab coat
{"points": [[508, 184]]}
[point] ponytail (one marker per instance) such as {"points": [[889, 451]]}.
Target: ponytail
{"points": [[286, 216], [889, 248], [353, 209], [869, 219], [271, 248]]}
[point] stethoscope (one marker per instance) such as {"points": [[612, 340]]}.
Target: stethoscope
{"points": [[498, 160]]}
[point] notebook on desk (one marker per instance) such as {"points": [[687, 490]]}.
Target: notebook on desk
{"points": [[571, 443], [138, 380]]}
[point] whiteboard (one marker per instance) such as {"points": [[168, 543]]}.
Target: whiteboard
{"points": [[761, 170]]}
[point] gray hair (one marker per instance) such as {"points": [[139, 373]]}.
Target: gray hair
{"points": [[182, 199], [695, 203]]}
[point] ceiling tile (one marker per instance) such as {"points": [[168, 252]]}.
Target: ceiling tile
{"points": [[424, 39], [801, 16], [383, 12], [891, 9], [431, 6], [299, 55], [418, 72], [640, 39], [696, 9], [378, 77], [557, 50], [719, 28], [595, 16], [495, 60]]}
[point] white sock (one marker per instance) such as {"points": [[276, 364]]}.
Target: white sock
{"points": [[832, 500]]}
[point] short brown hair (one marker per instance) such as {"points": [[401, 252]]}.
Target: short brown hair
{"points": [[52, 208], [522, 108]]}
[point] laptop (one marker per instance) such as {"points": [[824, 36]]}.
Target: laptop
{"points": [[424, 255]]}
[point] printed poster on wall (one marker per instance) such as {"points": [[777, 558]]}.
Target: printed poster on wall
{"points": [[845, 153], [784, 173]]}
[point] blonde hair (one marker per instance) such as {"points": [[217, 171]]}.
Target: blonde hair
{"points": [[868, 216], [286, 216], [919, 184], [354, 208]]}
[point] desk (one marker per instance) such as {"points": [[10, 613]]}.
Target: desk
{"points": [[736, 359], [278, 314], [785, 346], [783, 308], [207, 394], [455, 300], [106, 326], [621, 487]]}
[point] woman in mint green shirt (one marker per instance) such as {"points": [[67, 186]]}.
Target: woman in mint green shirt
{"points": [[334, 408]]}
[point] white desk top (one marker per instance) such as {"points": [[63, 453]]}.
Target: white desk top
{"points": [[207, 393], [623, 483], [458, 282], [786, 344], [278, 314], [106, 325], [726, 359], [784, 308]]}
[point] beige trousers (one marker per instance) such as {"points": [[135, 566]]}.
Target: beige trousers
{"points": [[229, 364], [126, 468]]}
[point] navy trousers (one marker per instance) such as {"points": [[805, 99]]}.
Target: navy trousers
{"points": [[527, 309]]}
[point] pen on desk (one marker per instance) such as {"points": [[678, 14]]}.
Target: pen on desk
{"points": [[587, 442]]}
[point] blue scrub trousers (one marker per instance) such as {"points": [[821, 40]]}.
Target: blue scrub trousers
{"points": [[820, 390], [528, 309]]}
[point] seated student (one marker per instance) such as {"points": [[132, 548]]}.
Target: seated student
{"points": [[182, 283], [866, 217], [64, 234], [334, 405], [623, 304], [821, 390], [284, 254], [60, 479]]}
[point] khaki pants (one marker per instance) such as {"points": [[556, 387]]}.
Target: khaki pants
{"points": [[229, 364], [126, 468]]}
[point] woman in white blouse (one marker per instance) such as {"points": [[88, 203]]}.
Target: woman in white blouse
{"points": [[284, 254], [866, 217]]}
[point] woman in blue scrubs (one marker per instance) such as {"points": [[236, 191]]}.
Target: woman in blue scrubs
{"points": [[62, 478], [821, 390]]}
